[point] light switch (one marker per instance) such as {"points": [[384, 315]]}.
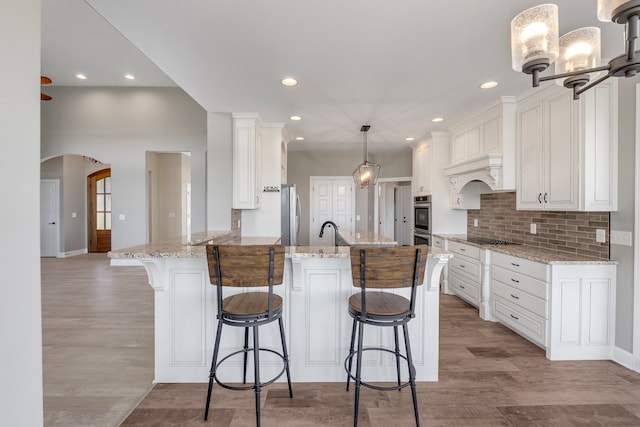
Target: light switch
{"points": [[620, 238], [121, 217], [532, 229], [601, 237], [475, 222], [73, 214], [357, 217]]}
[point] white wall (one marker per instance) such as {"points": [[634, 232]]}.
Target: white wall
{"points": [[20, 313], [623, 219], [218, 176], [118, 126]]}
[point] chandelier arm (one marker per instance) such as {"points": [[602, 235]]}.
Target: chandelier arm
{"points": [[632, 35], [575, 73], [582, 89]]}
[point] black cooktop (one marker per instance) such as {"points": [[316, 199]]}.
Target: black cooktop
{"points": [[488, 241]]}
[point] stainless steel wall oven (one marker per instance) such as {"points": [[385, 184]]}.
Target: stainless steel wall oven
{"points": [[422, 220]]}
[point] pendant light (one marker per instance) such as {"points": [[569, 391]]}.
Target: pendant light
{"points": [[366, 173]]}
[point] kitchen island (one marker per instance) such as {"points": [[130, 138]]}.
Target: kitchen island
{"points": [[317, 284]]}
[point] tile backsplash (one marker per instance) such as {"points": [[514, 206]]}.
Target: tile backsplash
{"points": [[572, 232]]}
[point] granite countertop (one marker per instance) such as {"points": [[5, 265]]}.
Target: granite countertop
{"points": [[194, 247], [532, 253], [353, 238]]}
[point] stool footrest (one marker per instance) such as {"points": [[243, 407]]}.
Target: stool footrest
{"points": [[375, 387], [252, 386]]}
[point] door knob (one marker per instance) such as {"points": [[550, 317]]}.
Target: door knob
{"points": [[51, 223]]}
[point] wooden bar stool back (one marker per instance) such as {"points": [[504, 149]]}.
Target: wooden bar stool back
{"points": [[247, 266], [384, 268]]}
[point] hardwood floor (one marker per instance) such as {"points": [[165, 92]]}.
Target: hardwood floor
{"points": [[98, 333]]}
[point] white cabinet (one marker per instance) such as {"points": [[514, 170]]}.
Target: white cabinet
{"points": [[568, 309], [465, 272], [520, 294], [422, 161], [567, 150], [246, 161]]}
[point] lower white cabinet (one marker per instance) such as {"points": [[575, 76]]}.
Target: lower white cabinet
{"points": [[568, 309], [465, 272]]}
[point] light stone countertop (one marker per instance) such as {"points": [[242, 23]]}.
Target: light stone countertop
{"points": [[353, 238], [532, 253]]}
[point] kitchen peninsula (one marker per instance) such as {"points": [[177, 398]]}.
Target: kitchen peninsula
{"points": [[317, 284]]}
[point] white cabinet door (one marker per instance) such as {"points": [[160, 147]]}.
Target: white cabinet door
{"points": [[530, 156], [561, 153], [246, 170], [422, 157]]}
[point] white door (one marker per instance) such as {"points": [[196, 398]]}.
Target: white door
{"points": [[332, 199], [49, 217], [403, 229]]}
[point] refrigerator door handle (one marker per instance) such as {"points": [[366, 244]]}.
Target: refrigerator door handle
{"points": [[298, 215]]}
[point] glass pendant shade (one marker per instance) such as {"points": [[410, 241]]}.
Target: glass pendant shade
{"points": [[579, 50], [366, 174], [606, 8], [534, 37]]}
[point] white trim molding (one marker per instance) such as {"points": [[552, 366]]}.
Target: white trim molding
{"points": [[636, 245]]}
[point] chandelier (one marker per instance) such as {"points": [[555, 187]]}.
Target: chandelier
{"points": [[535, 45], [366, 173]]}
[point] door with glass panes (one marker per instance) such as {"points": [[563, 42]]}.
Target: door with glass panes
{"points": [[99, 189]]}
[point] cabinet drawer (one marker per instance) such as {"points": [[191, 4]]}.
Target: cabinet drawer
{"points": [[438, 242], [522, 299], [466, 290], [520, 281], [466, 250], [466, 267], [524, 266], [527, 324]]}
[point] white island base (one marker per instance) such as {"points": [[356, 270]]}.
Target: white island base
{"points": [[316, 288]]}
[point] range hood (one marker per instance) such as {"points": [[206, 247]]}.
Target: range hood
{"points": [[489, 168]]}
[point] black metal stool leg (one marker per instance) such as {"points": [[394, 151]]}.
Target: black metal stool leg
{"points": [[286, 356], [212, 372], [256, 368], [246, 349], [412, 374], [397, 349], [353, 338], [358, 374]]}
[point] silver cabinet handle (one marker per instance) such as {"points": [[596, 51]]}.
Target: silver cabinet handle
{"points": [[515, 317], [515, 281], [539, 197], [515, 265], [461, 266], [545, 198], [461, 286], [515, 296], [463, 250]]}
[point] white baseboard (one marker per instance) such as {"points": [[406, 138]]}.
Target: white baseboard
{"points": [[625, 359], [72, 253]]}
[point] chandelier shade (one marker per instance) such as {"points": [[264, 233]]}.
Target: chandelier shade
{"points": [[366, 173], [579, 51], [534, 38]]}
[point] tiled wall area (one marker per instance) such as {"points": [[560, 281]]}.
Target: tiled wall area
{"points": [[573, 232]]}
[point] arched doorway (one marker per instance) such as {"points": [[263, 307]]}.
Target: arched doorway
{"points": [[99, 211]]}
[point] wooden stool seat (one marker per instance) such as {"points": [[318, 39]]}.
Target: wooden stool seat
{"points": [[380, 304], [250, 303]]}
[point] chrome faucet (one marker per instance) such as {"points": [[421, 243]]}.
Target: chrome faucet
{"points": [[335, 228]]}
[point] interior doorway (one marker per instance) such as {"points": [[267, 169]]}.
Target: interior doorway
{"points": [[332, 199], [99, 210], [387, 214]]}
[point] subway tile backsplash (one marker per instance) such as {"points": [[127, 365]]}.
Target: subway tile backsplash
{"points": [[572, 232]]}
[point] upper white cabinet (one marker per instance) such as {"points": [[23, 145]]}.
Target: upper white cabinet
{"points": [[483, 148], [567, 150], [422, 160], [246, 161]]}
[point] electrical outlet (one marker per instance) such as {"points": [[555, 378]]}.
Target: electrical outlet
{"points": [[238, 223], [475, 222], [620, 238], [532, 229], [122, 217], [601, 237]]}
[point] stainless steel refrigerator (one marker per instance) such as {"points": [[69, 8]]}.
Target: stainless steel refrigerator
{"points": [[290, 208]]}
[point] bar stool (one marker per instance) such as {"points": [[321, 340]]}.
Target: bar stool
{"points": [[384, 268], [247, 266]]}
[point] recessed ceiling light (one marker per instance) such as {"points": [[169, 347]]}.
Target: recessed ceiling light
{"points": [[410, 139], [289, 81], [437, 119], [81, 76], [129, 77], [296, 118], [488, 85], [299, 138]]}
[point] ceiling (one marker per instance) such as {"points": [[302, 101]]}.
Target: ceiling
{"points": [[391, 64]]}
